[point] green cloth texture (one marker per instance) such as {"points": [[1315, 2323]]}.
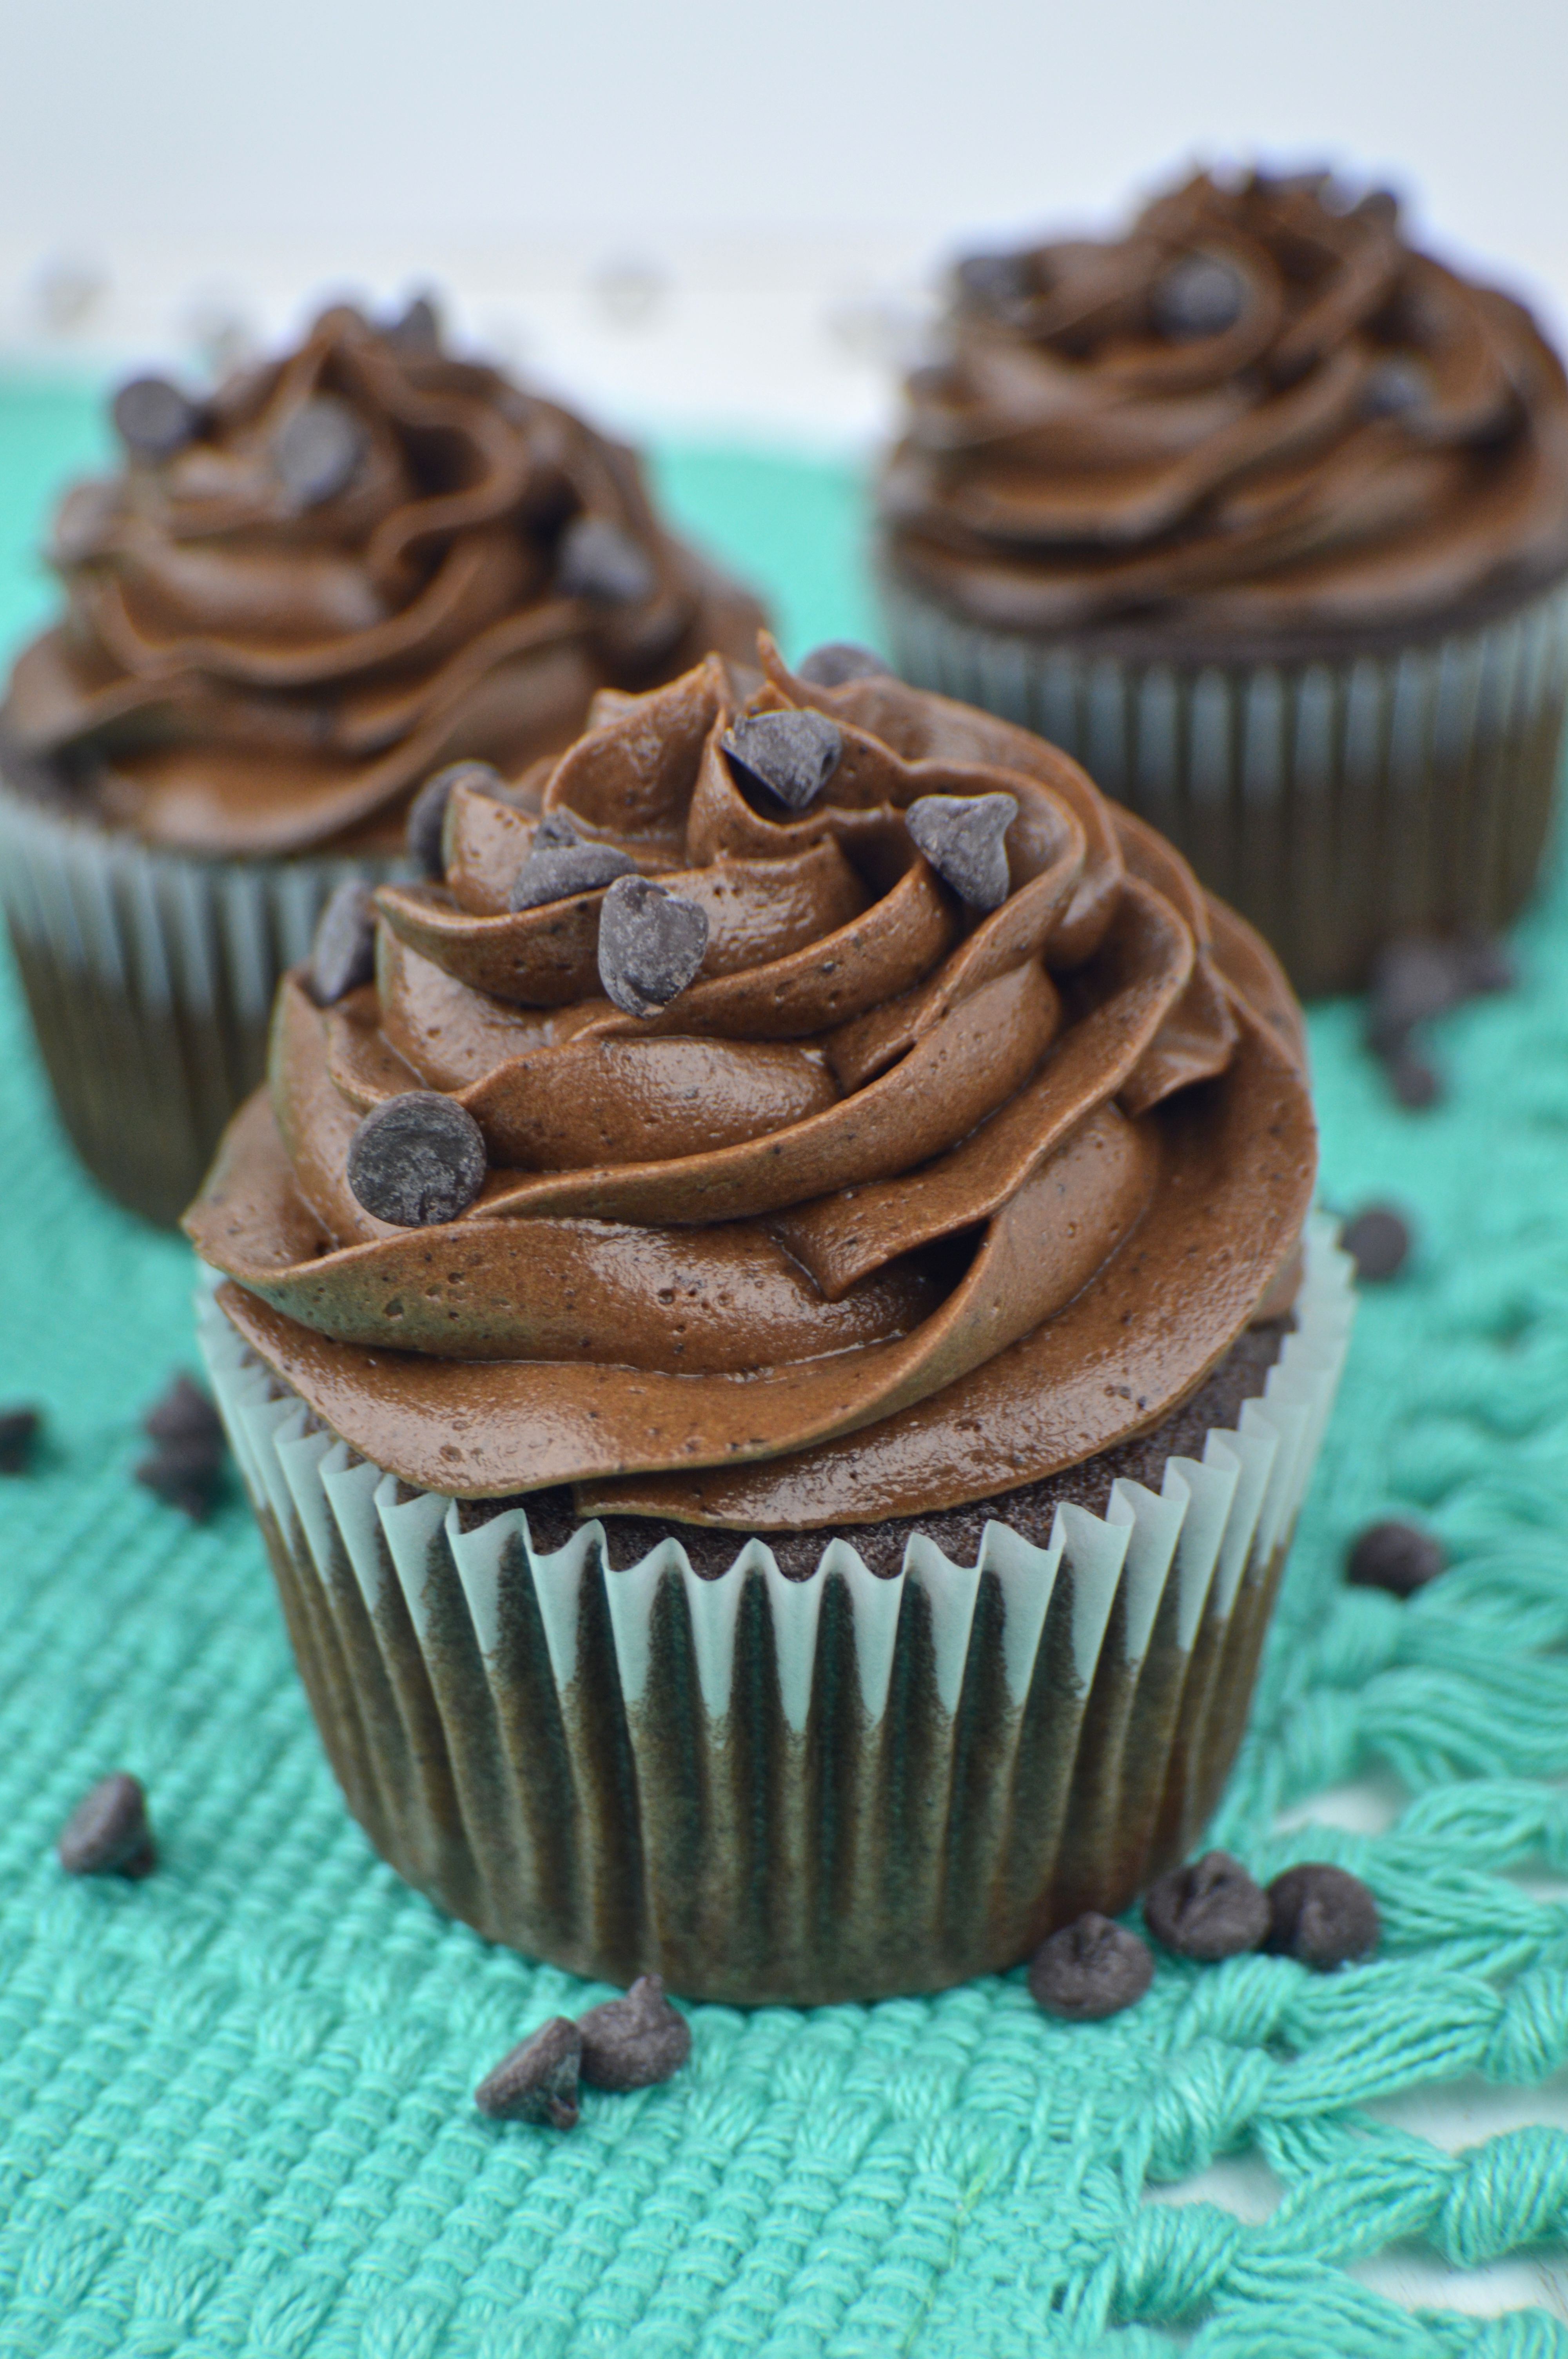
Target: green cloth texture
{"points": [[237, 2111]]}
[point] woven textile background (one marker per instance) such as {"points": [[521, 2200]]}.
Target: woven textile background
{"points": [[235, 2100]]}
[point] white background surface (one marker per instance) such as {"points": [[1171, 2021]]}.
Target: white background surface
{"points": [[716, 213], [724, 216]]}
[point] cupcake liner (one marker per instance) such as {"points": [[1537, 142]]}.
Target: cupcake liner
{"points": [[1335, 803], [773, 1790], [150, 978]]}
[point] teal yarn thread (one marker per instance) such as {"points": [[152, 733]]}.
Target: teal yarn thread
{"points": [[236, 2100]]}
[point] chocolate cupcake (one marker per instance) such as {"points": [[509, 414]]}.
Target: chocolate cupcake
{"points": [[772, 1347], [1262, 514], [297, 599]]}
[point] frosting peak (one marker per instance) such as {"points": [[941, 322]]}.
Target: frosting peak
{"points": [[342, 569], [913, 1182], [1258, 412]]}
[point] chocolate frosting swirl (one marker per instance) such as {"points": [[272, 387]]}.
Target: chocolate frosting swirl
{"points": [[349, 567], [900, 1203], [1260, 416]]}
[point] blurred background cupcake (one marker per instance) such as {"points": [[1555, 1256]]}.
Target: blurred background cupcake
{"points": [[300, 595], [1263, 513]]}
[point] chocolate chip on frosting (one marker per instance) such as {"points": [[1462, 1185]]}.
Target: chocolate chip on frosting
{"points": [[837, 660], [793, 755], [997, 281], [962, 837], [318, 452], [417, 328], [1209, 1910], [1198, 295], [635, 2041], [427, 812], [538, 2081], [599, 562], [1395, 1556], [152, 419], [342, 955], [416, 1160], [553, 872], [651, 944], [108, 1833], [1397, 388], [1323, 1916], [1091, 1970]]}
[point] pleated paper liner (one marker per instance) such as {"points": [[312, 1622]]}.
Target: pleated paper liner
{"points": [[149, 978], [1334, 804], [763, 1789]]}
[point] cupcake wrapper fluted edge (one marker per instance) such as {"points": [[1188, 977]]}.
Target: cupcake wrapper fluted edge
{"points": [[149, 978], [1335, 803], [773, 1790]]}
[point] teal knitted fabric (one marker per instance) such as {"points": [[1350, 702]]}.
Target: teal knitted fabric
{"points": [[236, 2113]]}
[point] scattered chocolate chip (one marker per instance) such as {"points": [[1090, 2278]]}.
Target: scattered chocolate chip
{"points": [[837, 660], [1396, 387], [342, 955], [1398, 1557], [1379, 1241], [184, 1474], [152, 419], [633, 2042], [599, 560], [108, 1833], [793, 755], [19, 1429], [1209, 1910], [961, 835], [552, 872], [182, 1413], [318, 452], [1323, 1916], [1414, 1083], [537, 2082], [1198, 295], [1415, 979], [651, 944], [418, 328], [416, 1160], [998, 282], [427, 812], [1091, 1969]]}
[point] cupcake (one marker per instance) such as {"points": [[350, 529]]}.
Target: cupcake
{"points": [[1262, 514], [777, 1346], [297, 599]]}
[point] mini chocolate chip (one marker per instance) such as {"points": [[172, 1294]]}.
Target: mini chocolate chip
{"points": [[108, 1833], [635, 2041], [342, 955], [1197, 295], [537, 2082], [1323, 1916], [1090, 1970], [1416, 1082], [961, 835], [184, 1474], [318, 452], [794, 754], [182, 1413], [418, 328], [1395, 1556], [152, 419], [651, 944], [599, 560], [554, 871], [996, 281], [1209, 1910], [1396, 387], [1379, 1241], [427, 812], [19, 1429], [416, 1160], [1484, 966], [1413, 978], [837, 660]]}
